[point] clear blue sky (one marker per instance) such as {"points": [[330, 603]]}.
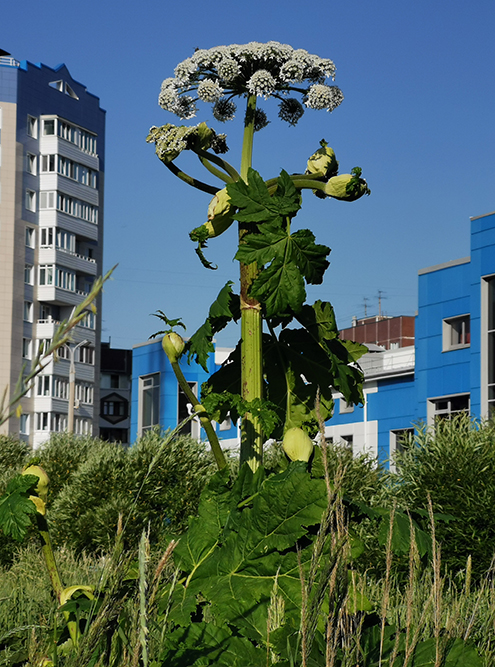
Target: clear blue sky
{"points": [[418, 117]]}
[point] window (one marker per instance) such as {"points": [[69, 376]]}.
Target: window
{"points": [[84, 393], [185, 409], [31, 200], [59, 422], [114, 408], [45, 275], [226, 425], [48, 128], [347, 441], [65, 240], [149, 401], [46, 236], [47, 163], [42, 421], [30, 238], [26, 348], [31, 164], [83, 426], [86, 355], [345, 407], [24, 424], [43, 385], [44, 345], [32, 127], [400, 439], [456, 333], [61, 388], [28, 311], [88, 321], [63, 352], [447, 406], [65, 279], [28, 274], [47, 200]]}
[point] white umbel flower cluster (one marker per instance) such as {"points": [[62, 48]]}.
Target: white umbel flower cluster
{"points": [[219, 74]]}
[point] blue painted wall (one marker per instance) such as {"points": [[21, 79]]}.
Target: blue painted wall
{"points": [[150, 358]]}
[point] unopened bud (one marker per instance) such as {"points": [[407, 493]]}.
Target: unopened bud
{"points": [[173, 346]]}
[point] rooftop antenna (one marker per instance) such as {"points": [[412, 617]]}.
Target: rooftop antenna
{"points": [[380, 297], [365, 299]]}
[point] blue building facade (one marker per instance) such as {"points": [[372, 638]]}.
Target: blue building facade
{"points": [[451, 368], [157, 399]]}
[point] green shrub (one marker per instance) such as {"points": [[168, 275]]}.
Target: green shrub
{"points": [[113, 481], [454, 464], [62, 455]]}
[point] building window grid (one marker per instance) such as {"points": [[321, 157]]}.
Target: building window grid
{"points": [[30, 202], [69, 205], [28, 311], [32, 127], [449, 406]]}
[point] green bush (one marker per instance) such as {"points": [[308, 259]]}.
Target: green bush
{"points": [[62, 455], [454, 465], [113, 481]]}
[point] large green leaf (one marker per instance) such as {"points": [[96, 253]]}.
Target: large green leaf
{"points": [[255, 203], [290, 258], [16, 510], [236, 570], [208, 644]]}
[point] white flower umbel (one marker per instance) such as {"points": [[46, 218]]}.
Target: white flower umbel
{"points": [[323, 97], [261, 84], [209, 91], [221, 73]]}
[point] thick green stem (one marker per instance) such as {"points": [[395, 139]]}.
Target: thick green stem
{"points": [[200, 411], [53, 573], [251, 324]]}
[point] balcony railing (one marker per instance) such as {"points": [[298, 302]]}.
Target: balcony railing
{"points": [[10, 62], [69, 252], [57, 323]]}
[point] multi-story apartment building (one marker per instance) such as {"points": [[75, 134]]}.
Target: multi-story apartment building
{"points": [[52, 133]]}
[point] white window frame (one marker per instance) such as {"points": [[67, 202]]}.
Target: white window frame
{"points": [[30, 237], [449, 330], [28, 274], [30, 202], [32, 126], [149, 383], [26, 348], [24, 424], [345, 407], [28, 311], [433, 412], [31, 164]]}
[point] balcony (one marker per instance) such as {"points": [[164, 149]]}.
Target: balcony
{"points": [[47, 328], [59, 296], [71, 260], [388, 363]]}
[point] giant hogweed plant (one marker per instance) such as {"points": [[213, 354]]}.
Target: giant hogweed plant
{"points": [[288, 349]]}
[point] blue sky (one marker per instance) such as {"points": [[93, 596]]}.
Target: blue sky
{"points": [[418, 117]]}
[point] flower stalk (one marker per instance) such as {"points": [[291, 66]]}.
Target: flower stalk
{"points": [[251, 324]]}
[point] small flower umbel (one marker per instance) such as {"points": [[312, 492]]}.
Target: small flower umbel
{"points": [[218, 75]]}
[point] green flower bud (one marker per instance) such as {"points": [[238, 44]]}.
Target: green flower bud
{"points": [[173, 346], [43, 481], [220, 217], [297, 444], [323, 160], [346, 187]]}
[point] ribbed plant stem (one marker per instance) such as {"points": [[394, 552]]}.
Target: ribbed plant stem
{"points": [[199, 409], [53, 573], [251, 324]]}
